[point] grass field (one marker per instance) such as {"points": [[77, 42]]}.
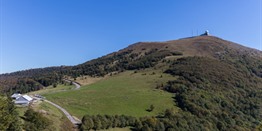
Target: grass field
{"points": [[126, 93], [51, 89], [86, 80]]}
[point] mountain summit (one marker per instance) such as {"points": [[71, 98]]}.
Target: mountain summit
{"points": [[199, 46]]}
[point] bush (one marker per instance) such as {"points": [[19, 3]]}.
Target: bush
{"points": [[35, 121]]}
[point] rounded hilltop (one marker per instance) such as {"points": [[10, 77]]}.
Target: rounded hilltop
{"points": [[203, 45]]}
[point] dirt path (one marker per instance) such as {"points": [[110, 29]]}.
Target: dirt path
{"points": [[74, 83], [70, 117]]}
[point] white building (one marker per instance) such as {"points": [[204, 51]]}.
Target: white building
{"points": [[23, 100], [16, 95]]}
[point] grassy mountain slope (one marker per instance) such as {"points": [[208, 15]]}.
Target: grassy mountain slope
{"points": [[126, 93], [216, 85], [137, 56]]}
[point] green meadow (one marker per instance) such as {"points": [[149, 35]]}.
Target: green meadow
{"points": [[129, 93], [51, 89]]}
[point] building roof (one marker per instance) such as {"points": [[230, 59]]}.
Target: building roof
{"points": [[21, 102], [24, 100], [27, 97], [16, 95]]}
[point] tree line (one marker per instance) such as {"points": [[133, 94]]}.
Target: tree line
{"points": [[170, 121]]}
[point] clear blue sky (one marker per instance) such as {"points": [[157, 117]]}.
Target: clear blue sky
{"points": [[41, 33]]}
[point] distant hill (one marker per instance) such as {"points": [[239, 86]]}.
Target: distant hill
{"points": [[136, 56]]}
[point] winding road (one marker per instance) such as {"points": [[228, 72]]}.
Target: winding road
{"points": [[74, 83], [70, 117]]}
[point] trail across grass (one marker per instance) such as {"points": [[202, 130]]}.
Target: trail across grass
{"points": [[126, 93]]}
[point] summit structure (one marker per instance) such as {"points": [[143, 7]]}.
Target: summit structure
{"points": [[206, 33]]}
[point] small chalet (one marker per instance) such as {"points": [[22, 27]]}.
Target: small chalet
{"points": [[23, 100]]}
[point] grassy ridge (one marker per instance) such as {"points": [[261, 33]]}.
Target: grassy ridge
{"points": [[126, 93]]}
